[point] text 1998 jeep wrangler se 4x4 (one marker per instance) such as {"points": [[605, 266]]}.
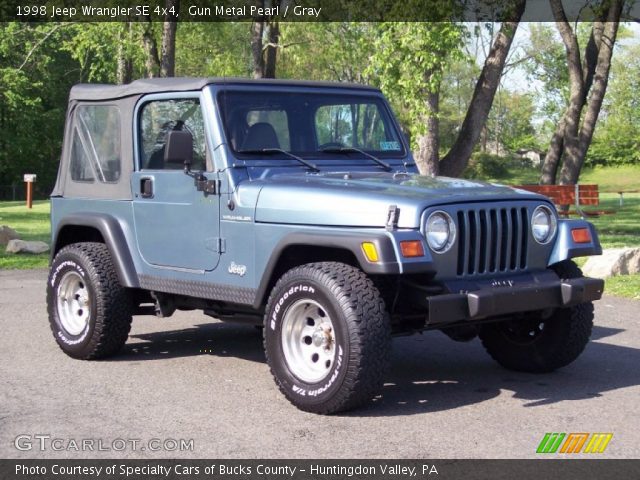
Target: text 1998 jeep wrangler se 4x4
{"points": [[297, 206]]}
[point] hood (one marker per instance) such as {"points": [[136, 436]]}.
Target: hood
{"points": [[363, 199]]}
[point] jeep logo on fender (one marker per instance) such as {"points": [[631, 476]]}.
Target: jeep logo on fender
{"points": [[236, 269]]}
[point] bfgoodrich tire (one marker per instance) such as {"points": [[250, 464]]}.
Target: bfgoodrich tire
{"points": [[327, 337], [540, 346], [89, 311]]}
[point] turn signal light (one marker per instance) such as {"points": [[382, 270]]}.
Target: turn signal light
{"points": [[370, 251], [411, 248], [581, 235]]}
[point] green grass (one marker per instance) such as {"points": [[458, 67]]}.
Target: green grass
{"points": [[624, 286], [612, 179], [31, 225]]}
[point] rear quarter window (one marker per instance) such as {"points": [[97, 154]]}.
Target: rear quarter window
{"points": [[95, 151]]}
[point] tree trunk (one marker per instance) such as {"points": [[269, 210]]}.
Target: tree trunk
{"points": [[458, 157], [169, 27], [427, 157], [152, 61], [257, 30], [573, 163], [552, 159], [271, 53], [576, 84], [124, 73]]}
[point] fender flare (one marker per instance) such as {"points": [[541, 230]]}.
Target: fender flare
{"points": [[114, 238], [565, 247], [351, 242]]}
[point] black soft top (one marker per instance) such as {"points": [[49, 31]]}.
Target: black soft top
{"points": [[97, 91]]}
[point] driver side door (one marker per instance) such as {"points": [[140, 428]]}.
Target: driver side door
{"points": [[177, 226]]}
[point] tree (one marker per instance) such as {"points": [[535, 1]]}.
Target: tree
{"points": [[35, 77], [588, 79], [334, 51], [509, 125], [456, 160], [213, 49], [161, 62], [617, 138], [265, 37], [409, 62]]}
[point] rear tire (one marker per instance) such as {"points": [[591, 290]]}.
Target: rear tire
{"points": [[89, 311], [540, 346], [327, 337]]}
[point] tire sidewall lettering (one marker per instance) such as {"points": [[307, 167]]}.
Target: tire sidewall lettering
{"points": [[57, 273], [300, 288]]}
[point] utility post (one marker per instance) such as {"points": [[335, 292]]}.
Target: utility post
{"points": [[29, 179]]}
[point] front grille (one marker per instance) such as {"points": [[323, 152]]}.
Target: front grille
{"points": [[492, 240]]}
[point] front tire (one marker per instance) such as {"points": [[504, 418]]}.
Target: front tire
{"points": [[541, 346], [327, 337], [89, 311]]}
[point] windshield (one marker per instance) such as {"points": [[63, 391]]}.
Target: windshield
{"points": [[310, 125]]}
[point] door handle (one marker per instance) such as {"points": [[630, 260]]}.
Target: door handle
{"points": [[146, 187]]}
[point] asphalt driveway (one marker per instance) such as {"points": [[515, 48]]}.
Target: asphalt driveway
{"points": [[206, 383]]}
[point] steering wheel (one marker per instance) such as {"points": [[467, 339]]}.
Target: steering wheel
{"points": [[330, 145]]}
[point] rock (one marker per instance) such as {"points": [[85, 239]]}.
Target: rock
{"points": [[20, 246], [7, 234], [613, 261]]}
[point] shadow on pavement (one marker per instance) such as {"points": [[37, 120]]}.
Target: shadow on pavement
{"points": [[218, 339], [429, 372], [430, 375]]}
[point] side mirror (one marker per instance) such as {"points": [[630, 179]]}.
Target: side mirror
{"points": [[179, 148]]}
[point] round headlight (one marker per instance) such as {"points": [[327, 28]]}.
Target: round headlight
{"points": [[440, 231], [543, 224]]}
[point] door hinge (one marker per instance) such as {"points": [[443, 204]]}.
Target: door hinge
{"points": [[222, 245], [215, 244], [209, 187]]}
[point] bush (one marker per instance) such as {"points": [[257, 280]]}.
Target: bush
{"points": [[487, 166]]}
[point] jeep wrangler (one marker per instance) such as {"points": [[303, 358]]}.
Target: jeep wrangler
{"points": [[297, 206]]}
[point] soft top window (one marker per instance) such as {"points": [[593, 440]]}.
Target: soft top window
{"points": [[95, 151]]}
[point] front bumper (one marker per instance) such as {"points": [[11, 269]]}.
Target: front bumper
{"points": [[504, 297]]}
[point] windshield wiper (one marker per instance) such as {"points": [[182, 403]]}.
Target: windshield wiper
{"points": [[382, 163], [306, 163]]}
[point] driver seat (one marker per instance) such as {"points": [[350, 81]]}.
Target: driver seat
{"points": [[260, 135]]}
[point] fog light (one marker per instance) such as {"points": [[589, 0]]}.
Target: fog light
{"points": [[581, 235], [411, 248], [370, 251]]}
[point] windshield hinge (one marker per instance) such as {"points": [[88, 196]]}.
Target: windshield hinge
{"points": [[209, 187], [392, 217]]}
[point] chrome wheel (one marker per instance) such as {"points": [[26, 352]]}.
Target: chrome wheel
{"points": [[308, 340], [73, 303]]}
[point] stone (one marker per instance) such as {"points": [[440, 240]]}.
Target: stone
{"points": [[20, 246], [7, 234], [613, 261]]}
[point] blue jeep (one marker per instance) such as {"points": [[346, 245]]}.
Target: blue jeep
{"points": [[297, 206]]}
